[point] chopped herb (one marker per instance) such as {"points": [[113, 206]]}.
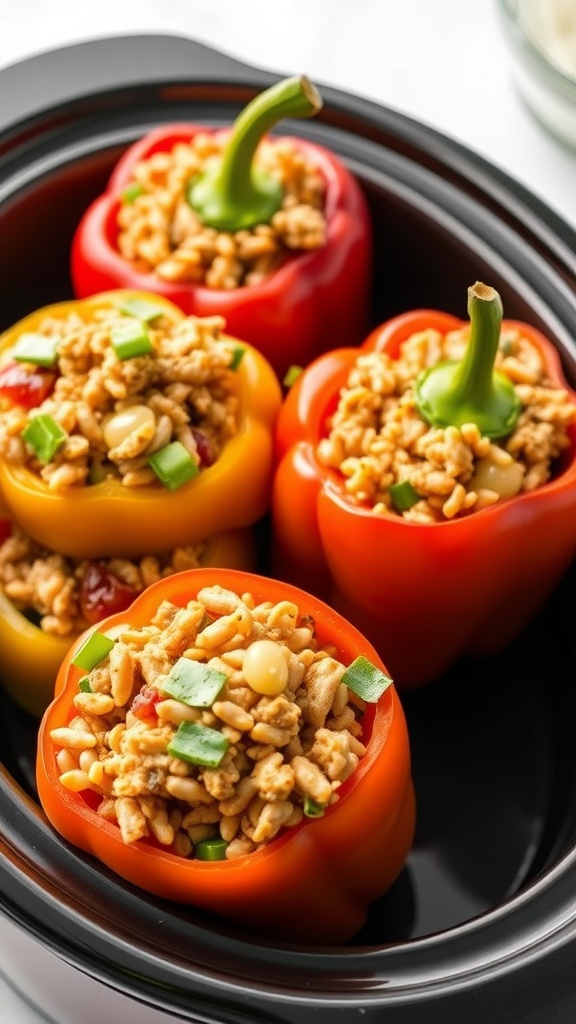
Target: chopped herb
{"points": [[211, 849], [173, 465], [365, 680], [403, 495], [237, 356], [96, 473], [44, 435], [131, 339], [291, 375], [131, 192], [84, 685], [198, 744], [37, 349], [95, 648], [193, 683], [312, 809], [143, 309]]}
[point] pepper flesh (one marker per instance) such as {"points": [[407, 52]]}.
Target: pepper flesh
{"points": [[315, 883], [425, 593], [107, 519], [31, 657], [315, 299]]}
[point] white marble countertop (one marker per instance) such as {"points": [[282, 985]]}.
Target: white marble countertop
{"points": [[442, 62]]}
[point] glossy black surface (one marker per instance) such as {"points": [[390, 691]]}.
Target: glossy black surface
{"points": [[482, 923]]}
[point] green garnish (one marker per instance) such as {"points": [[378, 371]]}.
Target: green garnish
{"points": [[312, 809], [291, 375], [131, 339], [44, 436], [193, 683], [403, 495], [84, 685], [96, 473], [143, 309], [173, 465], [365, 680], [198, 744], [94, 650], [37, 349], [237, 356], [131, 192], [211, 849]]}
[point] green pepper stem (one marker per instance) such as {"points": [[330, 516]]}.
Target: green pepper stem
{"points": [[472, 391], [473, 381], [231, 193]]}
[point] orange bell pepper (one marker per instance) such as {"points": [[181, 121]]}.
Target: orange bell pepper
{"points": [[424, 593], [108, 519], [31, 657], [314, 882]]}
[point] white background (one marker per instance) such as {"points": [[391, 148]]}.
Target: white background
{"points": [[443, 62]]}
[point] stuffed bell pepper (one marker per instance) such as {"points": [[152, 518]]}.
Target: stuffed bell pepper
{"points": [[232, 743], [427, 483], [134, 442], [271, 232], [47, 600], [128, 429]]}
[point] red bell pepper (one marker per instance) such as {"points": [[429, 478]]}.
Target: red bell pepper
{"points": [[312, 883], [425, 593], [314, 299]]}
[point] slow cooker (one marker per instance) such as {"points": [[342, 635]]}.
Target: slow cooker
{"points": [[481, 925]]}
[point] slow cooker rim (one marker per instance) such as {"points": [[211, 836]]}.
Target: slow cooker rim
{"points": [[567, 864], [423, 964], [472, 170]]}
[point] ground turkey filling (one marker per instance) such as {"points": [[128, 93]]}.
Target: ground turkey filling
{"points": [[159, 231], [117, 412], [377, 438], [288, 728], [64, 595]]}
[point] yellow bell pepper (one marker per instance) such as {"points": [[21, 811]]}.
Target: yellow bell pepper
{"points": [[31, 658], [107, 519]]}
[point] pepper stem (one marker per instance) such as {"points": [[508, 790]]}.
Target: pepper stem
{"points": [[231, 193], [471, 391]]}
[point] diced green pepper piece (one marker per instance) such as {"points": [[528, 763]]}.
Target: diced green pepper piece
{"points": [[365, 680], [193, 683], [291, 375], [131, 192], [131, 339], [312, 809], [198, 744], [173, 465], [84, 685], [44, 435], [403, 495], [143, 309], [94, 650], [37, 349], [237, 356], [211, 849]]}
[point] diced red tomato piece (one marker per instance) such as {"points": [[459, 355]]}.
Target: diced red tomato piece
{"points": [[26, 388], [203, 446], [144, 704], [102, 593]]}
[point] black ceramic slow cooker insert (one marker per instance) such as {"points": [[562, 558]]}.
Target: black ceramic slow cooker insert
{"points": [[482, 923]]}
